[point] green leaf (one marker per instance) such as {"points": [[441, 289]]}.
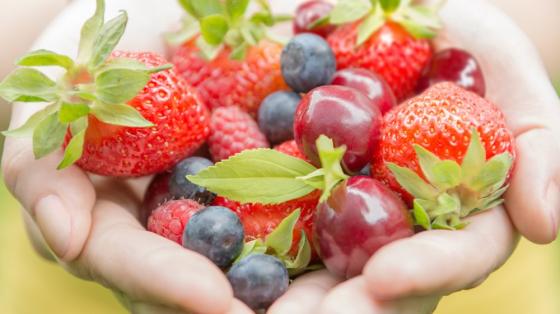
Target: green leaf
{"points": [[208, 52], [108, 38], [349, 11], [441, 223], [252, 247], [417, 30], [120, 114], [190, 28], [204, 8], [389, 6], [236, 9], [315, 179], [116, 86], [89, 32], [257, 176], [248, 35], [369, 26], [303, 257], [45, 58], [281, 238], [325, 20], [446, 174], [446, 204], [239, 52], [330, 161], [493, 172], [423, 15], [420, 215], [187, 5], [28, 85], [75, 147], [213, 28], [29, 126], [412, 183], [48, 136], [474, 159], [72, 112]]}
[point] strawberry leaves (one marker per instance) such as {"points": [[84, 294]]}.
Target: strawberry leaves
{"points": [[452, 192], [28, 85], [45, 58]]}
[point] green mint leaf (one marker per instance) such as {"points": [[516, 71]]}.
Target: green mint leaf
{"points": [[116, 86], [108, 38], [412, 183], [72, 112], [45, 58], [281, 238], [493, 173], [28, 85], [75, 147], [29, 126], [474, 159], [257, 176], [214, 28], [369, 26], [389, 6], [330, 161], [90, 31], [349, 11], [239, 52], [315, 179], [420, 215], [190, 28], [204, 8], [236, 9], [48, 136], [187, 5], [303, 257], [208, 52], [120, 114]]}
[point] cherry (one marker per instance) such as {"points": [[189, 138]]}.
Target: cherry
{"points": [[345, 115], [368, 83], [360, 217], [309, 12], [454, 65]]}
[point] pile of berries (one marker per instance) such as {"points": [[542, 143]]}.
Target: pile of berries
{"points": [[373, 133]]}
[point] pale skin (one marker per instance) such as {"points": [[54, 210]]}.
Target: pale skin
{"points": [[90, 223]]}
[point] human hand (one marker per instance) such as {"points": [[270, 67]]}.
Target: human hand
{"points": [[90, 223], [411, 275]]}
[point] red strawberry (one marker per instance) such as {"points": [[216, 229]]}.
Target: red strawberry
{"points": [[232, 131], [439, 125], [291, 148], [181, 126], [169, 220], [384, 42]]}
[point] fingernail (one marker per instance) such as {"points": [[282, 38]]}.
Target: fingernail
{"points": [[553, 204], [55, 223]]}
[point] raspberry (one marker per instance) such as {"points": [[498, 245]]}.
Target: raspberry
{"points": [[169, 220], [291, 148], [232, 131]]}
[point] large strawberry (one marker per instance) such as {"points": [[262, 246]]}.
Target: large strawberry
{"points": [[229, 59], [116, 113], [450, 150], [389, 37]]}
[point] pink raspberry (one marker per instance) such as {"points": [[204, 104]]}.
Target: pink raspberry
{"points": [[232, 131], [291, 148], [169, 220]]}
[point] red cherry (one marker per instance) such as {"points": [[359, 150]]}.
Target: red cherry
{"points": [[453, 65], [345, 115], [309, 12], [360, 217], [368, 83]]}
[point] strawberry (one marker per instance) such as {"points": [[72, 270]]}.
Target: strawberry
{"points": [[232, 131], [115, 113], [230, 60], [390, 39], [450, 150]]}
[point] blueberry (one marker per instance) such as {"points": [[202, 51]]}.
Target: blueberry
{"points": [[366, 171], [181, 187], [276, 116], [307, 62], [215, 232], [258, 280]]}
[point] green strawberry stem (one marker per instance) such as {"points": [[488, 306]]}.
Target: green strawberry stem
{"points": [[419, 20], [224, 23], [452, 191], [92, 85]]}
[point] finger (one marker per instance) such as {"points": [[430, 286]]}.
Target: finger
{"points": [[440, 262], [238, 307], [353, 297], [148, 308], [147, 267], [35, 236], [532, 109], [305, 293]]}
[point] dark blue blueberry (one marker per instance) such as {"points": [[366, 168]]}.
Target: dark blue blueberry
{"points": [[276, 116], [366, 171], [307, 62], [258, 280], [215, 232], [180, 187]]}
